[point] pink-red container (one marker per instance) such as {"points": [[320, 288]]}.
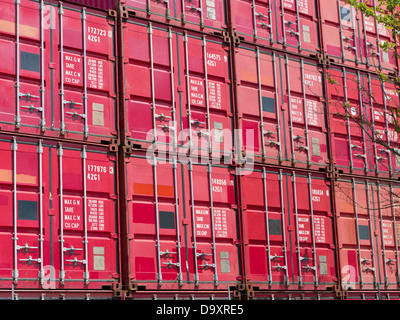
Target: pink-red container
{"points": [[182, 222], [59, 227], [288, 230]]}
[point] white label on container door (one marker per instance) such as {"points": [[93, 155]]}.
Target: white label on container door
{"points": [[95, 73], [211, 10], [215, 94], [297, 109], [96, 220], [72, 210], [312, 112]]}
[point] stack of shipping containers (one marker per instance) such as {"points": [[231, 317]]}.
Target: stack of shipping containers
{"points": [[195, 149]]}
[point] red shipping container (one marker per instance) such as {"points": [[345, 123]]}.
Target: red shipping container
{"points": [[353, 39], [206, 16], [287, 91], [182, 224], [62, 81], [358, 105], [287, 230], [59, 205], [368, 234], [284, 24], [164, 68], [98, 4]]}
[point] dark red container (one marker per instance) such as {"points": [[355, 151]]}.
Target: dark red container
{"points": [[59, 223], [182, 223], [284, 24], [98, 4], [368, 234], [62, 83], [166, 75], [352, 39], [205, 16], [280, 108], [287, 230]]}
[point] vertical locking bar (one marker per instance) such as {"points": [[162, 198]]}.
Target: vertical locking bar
{"points": [[214, 249], [260, 103], [278, 126], [382, 235], [365, 40], [347, 120], [189, 113], [290, 108], [208, 120], [14, 148], [85, 217], [42, 75], [174, 112], [159, 274], [305, 112], [196, 277], [85, 95], [283, 227], [362, 117], [313, 231], [371, 233], [395, 234], [201, 14], [62, 92], [298, 248], [354, 34], [254, 20], [153, 98], [183, 14], [264, 177], [353, 183], [178, 235], [62, 270], [18, 63], [41, 226]]}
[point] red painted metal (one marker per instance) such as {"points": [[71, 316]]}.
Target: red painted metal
{"points": [[368, 234], [98, 4], [176, 244], [199, 15], [63, 82], [284, 24], [165, 67], [360, 108], [287, 224], [352, 39], [288, 92], [58, 226]]}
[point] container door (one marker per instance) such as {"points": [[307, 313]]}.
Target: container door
{"points": [[150, 85], [156, 247], [87, 225], [306, 125], [213, 259]]}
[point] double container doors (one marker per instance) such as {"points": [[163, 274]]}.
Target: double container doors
{"points": [[182, 225], [59, 216], [57, 71], [288, 230], [368, 234], [179, 84], [280, 109]]}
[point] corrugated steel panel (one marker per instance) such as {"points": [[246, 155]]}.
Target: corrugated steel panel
{"points": [[165, 80], [59, 215], [287, 91], [368, 234], [199, 15], [98, 4], [62, 81]]}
